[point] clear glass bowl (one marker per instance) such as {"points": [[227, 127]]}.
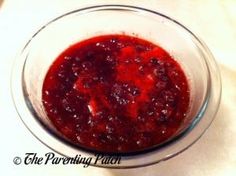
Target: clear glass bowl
{"points": [[50, 40]]}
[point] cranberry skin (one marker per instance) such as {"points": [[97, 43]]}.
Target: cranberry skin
{"points": [[116, 93]]}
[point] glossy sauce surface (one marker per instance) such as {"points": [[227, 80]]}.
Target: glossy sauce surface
{"points": [[116, 93]]}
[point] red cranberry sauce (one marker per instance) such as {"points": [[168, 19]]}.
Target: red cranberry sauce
{"points": [[116, 93]]}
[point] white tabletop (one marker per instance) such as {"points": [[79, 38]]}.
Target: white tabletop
{"points": [[214, 21]]}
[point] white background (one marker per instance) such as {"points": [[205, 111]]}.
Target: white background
{"points": [[213, 20]]}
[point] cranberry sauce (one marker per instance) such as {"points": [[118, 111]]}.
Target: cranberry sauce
{"points": [[116, 93]]}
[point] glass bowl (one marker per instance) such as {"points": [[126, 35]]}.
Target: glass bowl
{"points": [[49, 41]]}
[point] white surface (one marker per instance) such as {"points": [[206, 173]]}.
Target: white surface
{"points": [[213, 20]]}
